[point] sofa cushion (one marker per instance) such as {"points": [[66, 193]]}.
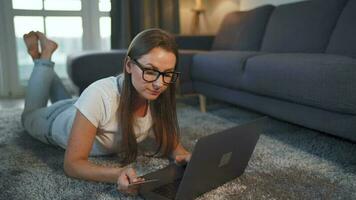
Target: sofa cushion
{"points": [[301, 27], [184, 67], [223, 68], [243, 30], [319, 80], [86, 67], [343, 39]]}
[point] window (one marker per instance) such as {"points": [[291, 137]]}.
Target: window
{"points": [[62, 5], [75, 25], [105, 32]]}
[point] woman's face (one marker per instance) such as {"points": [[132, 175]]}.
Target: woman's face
{"points": [[158, 59]]}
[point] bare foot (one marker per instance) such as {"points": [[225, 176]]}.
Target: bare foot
{"points": [[47, 46], [31, 41]]}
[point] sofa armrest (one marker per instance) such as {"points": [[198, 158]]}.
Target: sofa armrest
{"points": [[196, 42], [86, 67], [184, 67]]}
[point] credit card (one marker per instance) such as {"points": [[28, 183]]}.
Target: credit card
{"points": [[143, 182]]}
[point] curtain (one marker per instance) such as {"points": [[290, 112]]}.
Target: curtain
{"points": [[129, 17]]}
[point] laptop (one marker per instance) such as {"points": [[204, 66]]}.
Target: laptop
{"points": [[216, 159]]}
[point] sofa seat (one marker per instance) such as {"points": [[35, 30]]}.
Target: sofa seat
{"points": [[318, 80], [223, 68]]}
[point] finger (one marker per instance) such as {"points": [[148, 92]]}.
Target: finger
{"points": [[123, 182], [131, 173], [126, 189], [179, 158], [188, 157], [140, 179]]}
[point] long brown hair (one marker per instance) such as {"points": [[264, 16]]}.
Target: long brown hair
{"points": [[163, 109]]}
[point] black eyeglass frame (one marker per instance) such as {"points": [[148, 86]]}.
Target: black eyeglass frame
{"points": [[175, 74]]}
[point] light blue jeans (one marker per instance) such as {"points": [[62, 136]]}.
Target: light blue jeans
{"points": [[44, 84]]}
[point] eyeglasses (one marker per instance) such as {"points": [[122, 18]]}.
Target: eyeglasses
{"points": [[151, 75]]}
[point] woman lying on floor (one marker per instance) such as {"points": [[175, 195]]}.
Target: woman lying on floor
{"points": [[113, 114]]}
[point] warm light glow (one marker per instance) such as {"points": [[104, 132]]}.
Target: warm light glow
{"points": [[198, 4]]}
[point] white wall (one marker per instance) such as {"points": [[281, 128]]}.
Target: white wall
{"points": [[249, 4]]}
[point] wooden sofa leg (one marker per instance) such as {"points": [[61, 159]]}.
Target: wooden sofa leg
{"points": [[202, 103]]}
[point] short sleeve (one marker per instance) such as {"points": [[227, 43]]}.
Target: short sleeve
{"points": [[92, 104]]}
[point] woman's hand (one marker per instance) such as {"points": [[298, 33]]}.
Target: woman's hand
{"points": [[128, 176], [182, 159], [180, 155]]}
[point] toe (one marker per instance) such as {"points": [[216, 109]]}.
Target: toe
{"points": [[39, 33], [32, 34]]}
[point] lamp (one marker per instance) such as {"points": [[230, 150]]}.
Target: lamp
{"points": [[197, 11]]}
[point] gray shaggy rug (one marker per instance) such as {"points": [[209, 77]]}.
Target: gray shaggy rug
{"points": [[289, 162]]}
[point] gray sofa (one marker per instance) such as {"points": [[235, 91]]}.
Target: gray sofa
{"points": [[295, 62]]}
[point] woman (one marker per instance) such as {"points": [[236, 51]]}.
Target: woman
{"points": [[112, 114]]}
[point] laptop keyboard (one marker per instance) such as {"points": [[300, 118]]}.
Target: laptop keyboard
{"points": [[169, 190]]}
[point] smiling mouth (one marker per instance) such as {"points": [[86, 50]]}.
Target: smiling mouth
{"points": [[155, 93]]}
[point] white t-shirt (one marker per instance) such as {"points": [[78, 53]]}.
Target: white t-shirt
{"points": [[99, 103]]}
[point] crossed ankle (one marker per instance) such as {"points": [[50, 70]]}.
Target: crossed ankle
{"points": [[34, 54], [44, 62]]}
